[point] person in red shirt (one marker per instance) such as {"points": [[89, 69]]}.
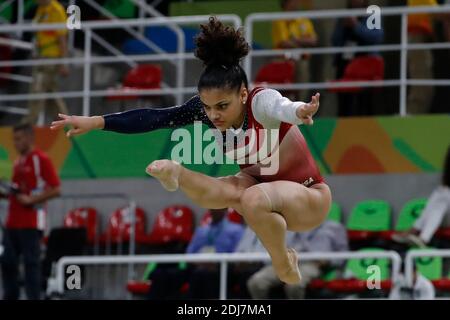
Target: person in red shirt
{"points": [[34, 182]]}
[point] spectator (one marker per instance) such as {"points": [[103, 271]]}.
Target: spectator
{"points": [[328, 237], [420, 62], [34, 182], [296, 33], [437, 207], [219, 236], [50, 44], [422, 289], [351, 32]]}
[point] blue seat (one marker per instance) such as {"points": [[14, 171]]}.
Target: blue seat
{"points": [[163, 37]]}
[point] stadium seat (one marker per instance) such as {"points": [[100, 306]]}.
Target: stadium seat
{"points": [[123, 9], [432, 269], [443, 234], [365, 68], [139, 287], [410, 212], [356, 275], [335, 213], [164, 38], [366, 220], [119, 226], [174, 223], [276, 72], [232, 216], [144, 76], [429, 267], [84, 217]]}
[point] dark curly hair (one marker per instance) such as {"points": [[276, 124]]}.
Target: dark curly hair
{"points": [[221, 48]]}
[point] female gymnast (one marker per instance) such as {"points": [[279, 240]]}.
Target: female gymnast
{"points": [[294, 198]]}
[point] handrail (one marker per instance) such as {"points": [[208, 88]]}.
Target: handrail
{"points": [[222, 258], [403, 47], [121, 23], [181, 45], [88, 59], [321, 14], [413, 254]]}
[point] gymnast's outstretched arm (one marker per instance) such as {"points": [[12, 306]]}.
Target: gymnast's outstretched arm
{"points": [[138, 120]]}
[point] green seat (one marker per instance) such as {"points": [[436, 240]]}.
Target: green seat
{"points": [[329, 275], [429, 267], [410, 212], [358, 267], [7, 12], [151, 267], [371, 215], [335, 213], [124, 9]]}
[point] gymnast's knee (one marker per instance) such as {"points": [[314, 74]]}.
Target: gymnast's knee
{"points": [[258, 198]]}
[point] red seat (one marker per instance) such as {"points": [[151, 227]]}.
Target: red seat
{"points": [[144, 76], [232, 216], [277, 72], [361, 235], [139, 287], [84, 217], [366, 68], [442, 284], [354, 285], [174, 223], [443, 233], [119, 226]]}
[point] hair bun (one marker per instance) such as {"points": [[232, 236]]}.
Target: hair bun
{"points": [[218, 44]]}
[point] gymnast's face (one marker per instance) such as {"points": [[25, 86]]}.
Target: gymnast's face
{"points": [[225, 107]]}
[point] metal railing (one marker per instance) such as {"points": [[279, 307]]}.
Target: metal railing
{"points": [[413, 254], [223, 258], [88, 59], [180, 56], [403, 47], [80, 200]]}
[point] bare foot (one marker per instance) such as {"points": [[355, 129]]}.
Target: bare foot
{"points": [[166, 171], [290, 273]]}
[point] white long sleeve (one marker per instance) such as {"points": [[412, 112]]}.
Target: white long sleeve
{"points": [[270, 108]]}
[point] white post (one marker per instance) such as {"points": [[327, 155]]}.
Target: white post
{"points": [[249, 37], [71, 41], [223, 280], [141, 17], [181, 65], [87, 72], [132, 248], [403, 64], [20, 16]]}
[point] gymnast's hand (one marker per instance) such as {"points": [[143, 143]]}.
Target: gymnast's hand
{"points": [[79, 124], [306, 111]]}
